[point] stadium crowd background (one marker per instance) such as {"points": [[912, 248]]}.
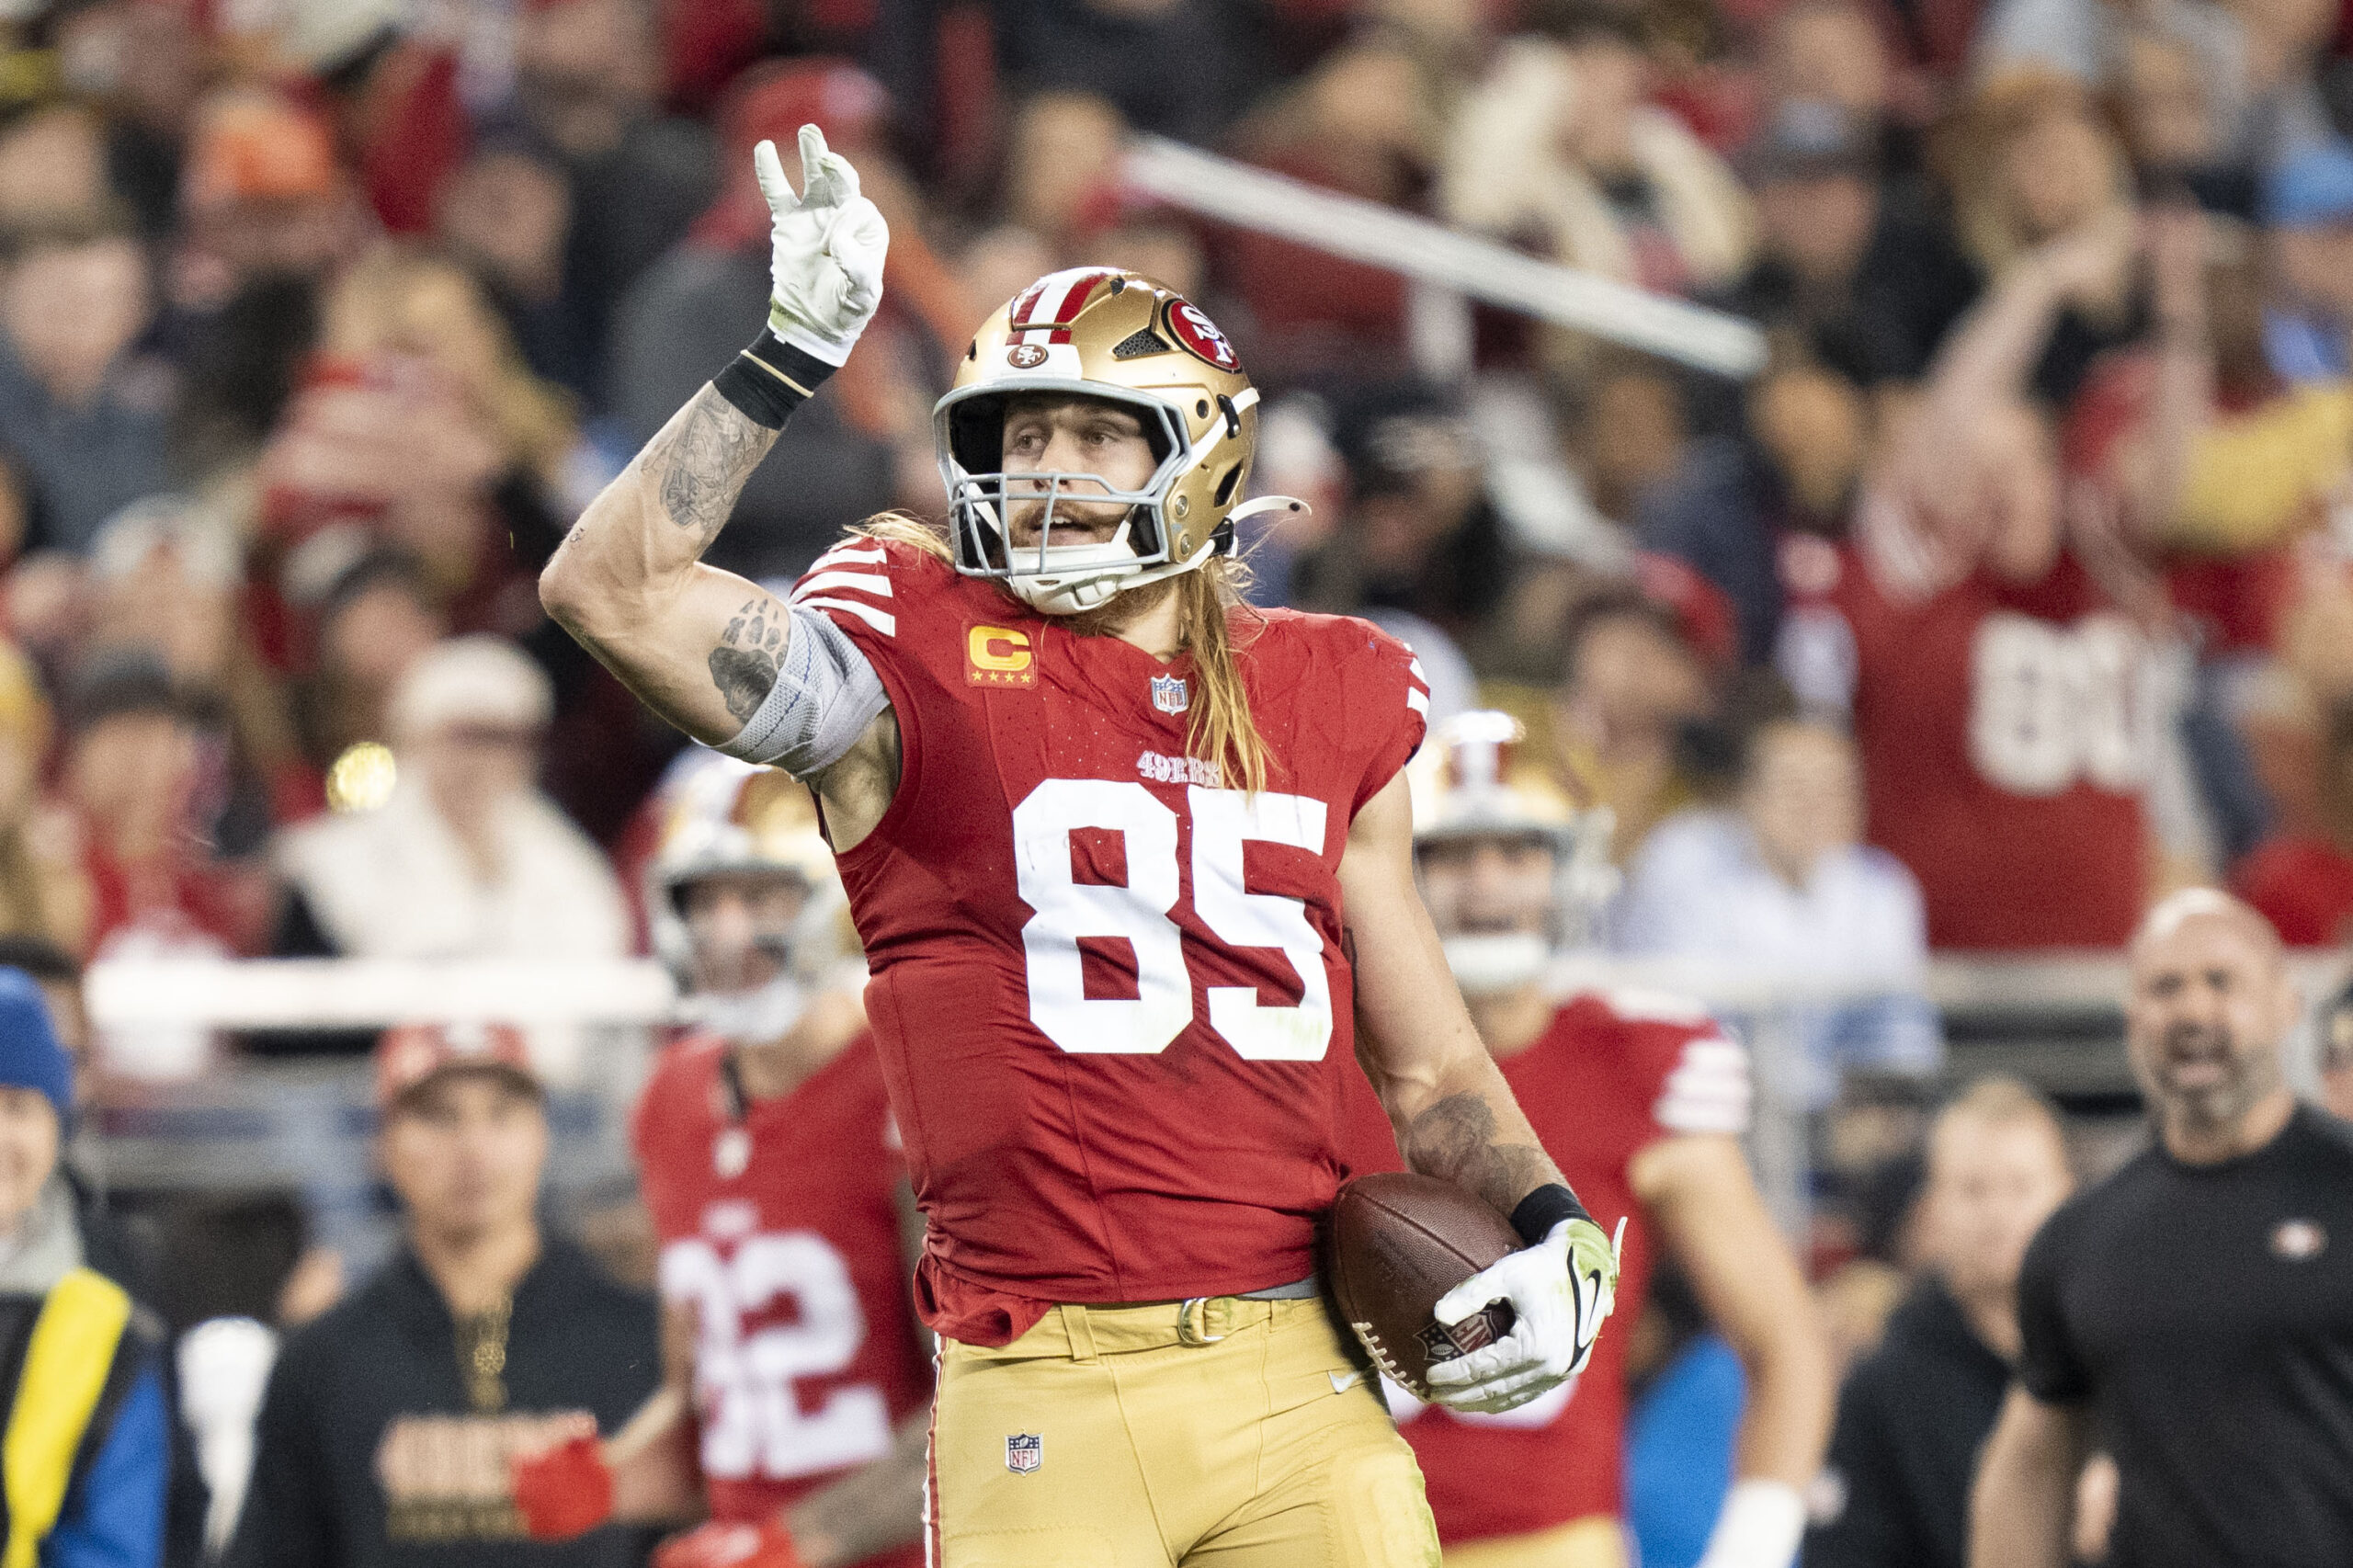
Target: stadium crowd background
{"points": [[319, 320]]}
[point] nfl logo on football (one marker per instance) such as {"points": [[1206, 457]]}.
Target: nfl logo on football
{"points": [[1024, 1452], [1169, 693]]}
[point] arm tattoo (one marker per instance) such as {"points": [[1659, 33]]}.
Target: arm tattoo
{"points": [[702, 464], [1455, 1140], [744, 664]]}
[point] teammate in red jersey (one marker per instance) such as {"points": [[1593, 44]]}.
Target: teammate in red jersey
{"points": [[1643, 1100], [1133, 868], [768, 1160]]}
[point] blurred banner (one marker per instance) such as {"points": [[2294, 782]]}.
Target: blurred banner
{"points": [[277, 994]]}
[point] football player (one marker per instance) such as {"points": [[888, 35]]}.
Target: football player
{"points": [[797, 1419], [1133, 864], [1643, 1102]]}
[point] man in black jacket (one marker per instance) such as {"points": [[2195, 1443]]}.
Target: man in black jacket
{"points": [[384, 1437], [2195, 1310], [1914, 1413]]}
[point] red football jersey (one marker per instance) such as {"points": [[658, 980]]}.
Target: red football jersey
{"points": [[781, 1228], [1109, 988], [2006, 731], [1610, 1075]]}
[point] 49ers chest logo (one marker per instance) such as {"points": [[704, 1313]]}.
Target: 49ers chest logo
{"points": [[1201, 336], [998, 655]]}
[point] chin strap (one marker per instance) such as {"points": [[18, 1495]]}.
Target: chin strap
{"points": [[1266, 504], [1082, 591], [752, 1017], [1488, 965]]}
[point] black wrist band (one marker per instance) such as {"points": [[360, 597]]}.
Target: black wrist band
{"points": [[769, 380], [1543, 1208]]}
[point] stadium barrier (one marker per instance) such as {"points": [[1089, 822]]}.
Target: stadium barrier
{"points": [[250, 1122]]}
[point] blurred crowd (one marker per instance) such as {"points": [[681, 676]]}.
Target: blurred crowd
{"points": [[321, 320], [2017, 588], [2014, 588]]}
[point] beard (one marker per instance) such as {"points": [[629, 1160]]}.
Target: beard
{"points": [[2201, 1075]]}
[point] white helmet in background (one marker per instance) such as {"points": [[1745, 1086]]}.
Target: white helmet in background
{"points": [[1469, 785], [721, 817]]}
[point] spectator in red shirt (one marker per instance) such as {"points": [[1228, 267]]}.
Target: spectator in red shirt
{"points": [[1997, 691], [140, 780], [2303, 883]]}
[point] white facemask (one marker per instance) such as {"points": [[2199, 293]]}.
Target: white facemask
{"points": [[752, 1017], [1484, 965], [1079, 576]]}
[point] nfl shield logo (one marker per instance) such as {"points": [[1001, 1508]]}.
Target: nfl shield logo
{"points": [[1169, 693], [1024, 1452]]}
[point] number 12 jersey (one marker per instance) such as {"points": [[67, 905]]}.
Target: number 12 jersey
{"points": [[1109, 984]]}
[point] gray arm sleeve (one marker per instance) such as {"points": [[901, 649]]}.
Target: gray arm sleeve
{"points": [[825, 696]]}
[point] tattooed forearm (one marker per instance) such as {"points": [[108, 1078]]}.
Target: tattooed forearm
{"points": [[702, 461], [1457, 1140], [744, 664]]}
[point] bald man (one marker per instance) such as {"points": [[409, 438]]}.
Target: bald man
{"points": [[2196, 1309]]}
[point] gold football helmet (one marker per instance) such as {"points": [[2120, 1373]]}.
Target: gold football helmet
{"points": [[1101, 332]]}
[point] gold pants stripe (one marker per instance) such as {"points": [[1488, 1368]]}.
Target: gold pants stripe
{"points": [[1223, 1433]]}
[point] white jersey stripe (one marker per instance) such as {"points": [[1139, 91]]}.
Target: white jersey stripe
{"points": [[1418, 701], [875, 582], [1709, 1091], [883, 620], [849, 551]]}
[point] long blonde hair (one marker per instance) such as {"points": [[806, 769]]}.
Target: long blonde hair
{"points": [[1222, 730]]}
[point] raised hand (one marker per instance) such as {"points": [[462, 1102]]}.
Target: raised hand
{"points": [[826, 251]]}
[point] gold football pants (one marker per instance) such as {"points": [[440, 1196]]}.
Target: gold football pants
{"points": [[1218, 1433], [1595, 1541]]}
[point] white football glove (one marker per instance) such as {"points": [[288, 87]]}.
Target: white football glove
{"points": [[826, 267], [1561, 1290]]}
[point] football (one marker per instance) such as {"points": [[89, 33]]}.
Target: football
{"points": [[1398, 1241]]}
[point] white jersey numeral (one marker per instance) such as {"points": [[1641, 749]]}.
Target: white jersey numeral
{"points": [[1224, 821], [1138, 913], [2050, 705], [1068, 909], [754, 1421]]}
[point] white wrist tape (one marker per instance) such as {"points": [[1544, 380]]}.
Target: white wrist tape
{"points": [[1761, 1526], [825, 696]]}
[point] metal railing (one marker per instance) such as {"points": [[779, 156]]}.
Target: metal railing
{"points": [[304, 1125]]}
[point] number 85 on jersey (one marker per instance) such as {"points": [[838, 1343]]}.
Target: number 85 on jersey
{"points": [[1139, 913]]}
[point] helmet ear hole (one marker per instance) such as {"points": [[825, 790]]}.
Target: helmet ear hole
{"points": [[977, 435], [1226, 485]]}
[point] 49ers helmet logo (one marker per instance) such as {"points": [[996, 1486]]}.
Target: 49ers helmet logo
{"points": [[1025, 356], [1200, 336]]}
